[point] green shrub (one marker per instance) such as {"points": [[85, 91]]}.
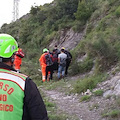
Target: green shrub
{"points": [[34, 10], [95, 15], [74, 68], [117, 48], [117, 12], [118, 101], [111, 2], [57, 117], [81, 67], [85, 98], [84, 11], [98, 92], [78, 26], [86, 65], [49, 104], [112, 114], [93, 106], [104, 52], [89, 82], [83, 85], [49, 38], [118, 31]]}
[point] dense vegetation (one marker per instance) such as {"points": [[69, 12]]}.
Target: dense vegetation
{"points": [[100, 45], [100, 19]]}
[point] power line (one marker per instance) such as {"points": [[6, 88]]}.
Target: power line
{"points": [[15, 10]]}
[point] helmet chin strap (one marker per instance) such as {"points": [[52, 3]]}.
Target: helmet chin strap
{"points": [[12, 60], [1, 59]]}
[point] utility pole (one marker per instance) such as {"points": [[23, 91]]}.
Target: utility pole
{"points": [[15, 10]]}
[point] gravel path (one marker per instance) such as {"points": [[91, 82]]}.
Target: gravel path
{"points": [[87, 110], [82, 110]]}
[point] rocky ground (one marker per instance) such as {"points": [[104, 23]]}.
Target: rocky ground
{"points": [[82, 110], [86, 110]]}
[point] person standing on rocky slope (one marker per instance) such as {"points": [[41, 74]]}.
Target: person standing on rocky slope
{"points": [[62, 64], [68, 60], [43, 64]]}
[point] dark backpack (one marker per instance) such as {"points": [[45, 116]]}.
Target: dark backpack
{"points": [[48, 59], [69, 56], [55, 57], [63, 62]]}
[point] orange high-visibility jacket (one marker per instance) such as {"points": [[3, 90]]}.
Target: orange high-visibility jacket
{"points": [[42, 60], [18, 58]]}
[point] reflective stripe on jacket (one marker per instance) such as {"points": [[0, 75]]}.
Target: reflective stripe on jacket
{"points": [[12, 87], [33, 105]]}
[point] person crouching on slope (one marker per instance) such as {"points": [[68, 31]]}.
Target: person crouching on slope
{"points": [[20, 98]]}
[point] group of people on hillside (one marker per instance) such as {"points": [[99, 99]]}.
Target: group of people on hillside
{"points": [[55, 61], [20, 98]]}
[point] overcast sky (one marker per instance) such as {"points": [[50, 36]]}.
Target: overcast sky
{"points": [[6, 8]]}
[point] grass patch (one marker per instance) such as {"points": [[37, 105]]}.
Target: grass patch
{"points": [[98, 92], [112, 114], [82, 67], [117, 12], [85, 98], [57, 117], [89, 82], [94, 106], [52, 112], [52, 85], [118, 101]]}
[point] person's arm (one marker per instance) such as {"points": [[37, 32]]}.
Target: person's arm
{"points": [[70, 55], [34, 107], [58, 58]]}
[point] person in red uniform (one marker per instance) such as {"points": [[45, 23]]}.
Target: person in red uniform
{"points": [[18, 59], [46, 63], [43, 64]]}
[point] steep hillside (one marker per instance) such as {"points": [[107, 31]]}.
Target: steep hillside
{"points": [[68, 38], [85, 28], [90, 30]]}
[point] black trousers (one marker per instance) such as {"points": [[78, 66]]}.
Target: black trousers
{"points": [[49, 69], [55, 66], [67, 66]]}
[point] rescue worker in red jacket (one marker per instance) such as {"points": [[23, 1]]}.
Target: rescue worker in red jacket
{"points": [[43, 64], [18, 59], [19, 96]]}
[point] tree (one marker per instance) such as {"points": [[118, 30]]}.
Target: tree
{"points": [[67, 7], [84, 11]]}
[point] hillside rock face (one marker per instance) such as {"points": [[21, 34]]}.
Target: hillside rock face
{"points": [[111, 86], [68, 39]]}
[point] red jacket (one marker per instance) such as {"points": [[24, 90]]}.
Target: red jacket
{"points": [[18, 56]]}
